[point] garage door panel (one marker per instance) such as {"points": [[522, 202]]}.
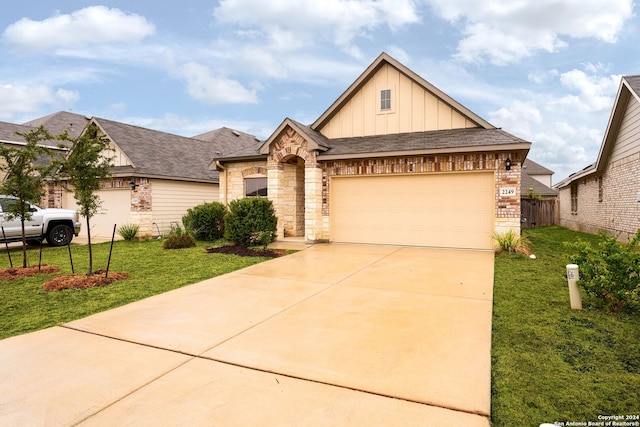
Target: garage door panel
{"points": [[448, 210]]}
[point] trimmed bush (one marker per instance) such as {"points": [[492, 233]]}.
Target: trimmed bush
{"points": [[179, 239], [610, 271], [128, 231], [247, 217], [511, 241], [205, 221]]}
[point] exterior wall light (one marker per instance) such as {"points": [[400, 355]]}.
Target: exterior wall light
{"points": [[507, 164], [133, 185]]}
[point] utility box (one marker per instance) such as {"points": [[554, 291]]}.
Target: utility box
{"points": [[574, 292]]}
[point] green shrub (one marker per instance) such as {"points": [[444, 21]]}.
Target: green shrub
{"points": [[206, 221], [179, 239], [128, 231], [511, 241], [262, 238], [610, 271], [247, 216]]}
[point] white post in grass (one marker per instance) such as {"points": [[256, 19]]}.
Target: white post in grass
{"points": [[574, 292]]}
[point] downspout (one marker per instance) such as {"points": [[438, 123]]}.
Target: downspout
{"points": [[221, 168]]}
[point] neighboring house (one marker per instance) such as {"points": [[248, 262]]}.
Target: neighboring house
{"points": [[605, 196], [539, 199], [62, 121], [9, 136], [156, 177], [393, 160]]}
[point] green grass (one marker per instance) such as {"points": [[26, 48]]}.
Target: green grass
{"points": [[26, 307], [551, 363]]}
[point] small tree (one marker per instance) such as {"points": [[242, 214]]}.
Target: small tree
{"points": [[25, 179], [83, 169]]}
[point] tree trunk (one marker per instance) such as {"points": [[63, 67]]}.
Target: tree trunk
{"points": [[24, 246], [90, 249]]}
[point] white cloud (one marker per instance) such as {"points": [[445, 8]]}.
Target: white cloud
{"points": [[205, 87], [190, 126], [594, 93], [21, 99], [290, 26], [85, 27], [505, 32], [518, 117]]}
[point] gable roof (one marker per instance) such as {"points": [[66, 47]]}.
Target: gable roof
{"points": [[316, 140], [629, 87], [530, 168], [158, 154], [228, 141], [379, 62], [527, 182], [533, 168], [8, 135], [61, 121]]}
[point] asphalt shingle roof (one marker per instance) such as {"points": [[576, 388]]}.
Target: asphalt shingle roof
{"points": [[414, 141], [536, 186], [155, 153], [533, 168], [230, 142], [634, 83], [418, 141], [61, 121]]}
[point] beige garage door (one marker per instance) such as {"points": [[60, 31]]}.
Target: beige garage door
{"points": [[444, 210], [116, 209]]}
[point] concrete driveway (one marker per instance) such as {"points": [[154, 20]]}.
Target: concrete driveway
{"points": [[345, 335]]}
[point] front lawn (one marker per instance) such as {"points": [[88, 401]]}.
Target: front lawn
{"points": [[26, 307], [550, 363]]}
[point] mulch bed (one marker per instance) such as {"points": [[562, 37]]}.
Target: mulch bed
{"points": [[82, 281], [244, 251], [19, 272]]}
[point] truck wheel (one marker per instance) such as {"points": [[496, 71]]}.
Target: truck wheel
{"points": [[59, 235]]}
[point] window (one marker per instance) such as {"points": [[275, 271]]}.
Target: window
{"points": [[385, 99], [574, 198], [254, 187]]}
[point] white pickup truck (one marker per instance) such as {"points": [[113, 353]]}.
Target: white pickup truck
{"points": [[58, 226]]}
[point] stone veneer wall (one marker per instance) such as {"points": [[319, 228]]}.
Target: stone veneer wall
{"points": [[618, 214], [232, 178], [507, 209]]}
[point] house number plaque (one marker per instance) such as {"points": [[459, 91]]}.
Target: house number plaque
{"points": [[507, 191]]}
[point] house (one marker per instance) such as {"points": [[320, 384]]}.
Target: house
{"points": [[394, 160], [538, 199], [605, 196], [9, 135], [156, 176]]}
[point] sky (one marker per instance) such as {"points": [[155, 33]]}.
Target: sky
{"points": [[547, 71]]}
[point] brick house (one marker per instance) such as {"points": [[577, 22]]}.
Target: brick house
{"points": [[156, 176], [605, 196], [393, 160]]}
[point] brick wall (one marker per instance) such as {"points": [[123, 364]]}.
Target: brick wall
{"points": [[507, 212], [618, 213]]}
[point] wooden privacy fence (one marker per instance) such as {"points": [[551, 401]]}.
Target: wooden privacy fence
{"points": [[537, 213]]}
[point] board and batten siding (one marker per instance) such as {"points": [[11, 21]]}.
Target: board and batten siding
{"points": [[628, 139], [413, 109], [171, 200]]}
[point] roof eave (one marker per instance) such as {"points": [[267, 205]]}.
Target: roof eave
{"points": [[521, 147]]}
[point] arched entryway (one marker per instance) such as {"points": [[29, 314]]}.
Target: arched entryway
{"points": [[294, 182], [293, 197]]}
